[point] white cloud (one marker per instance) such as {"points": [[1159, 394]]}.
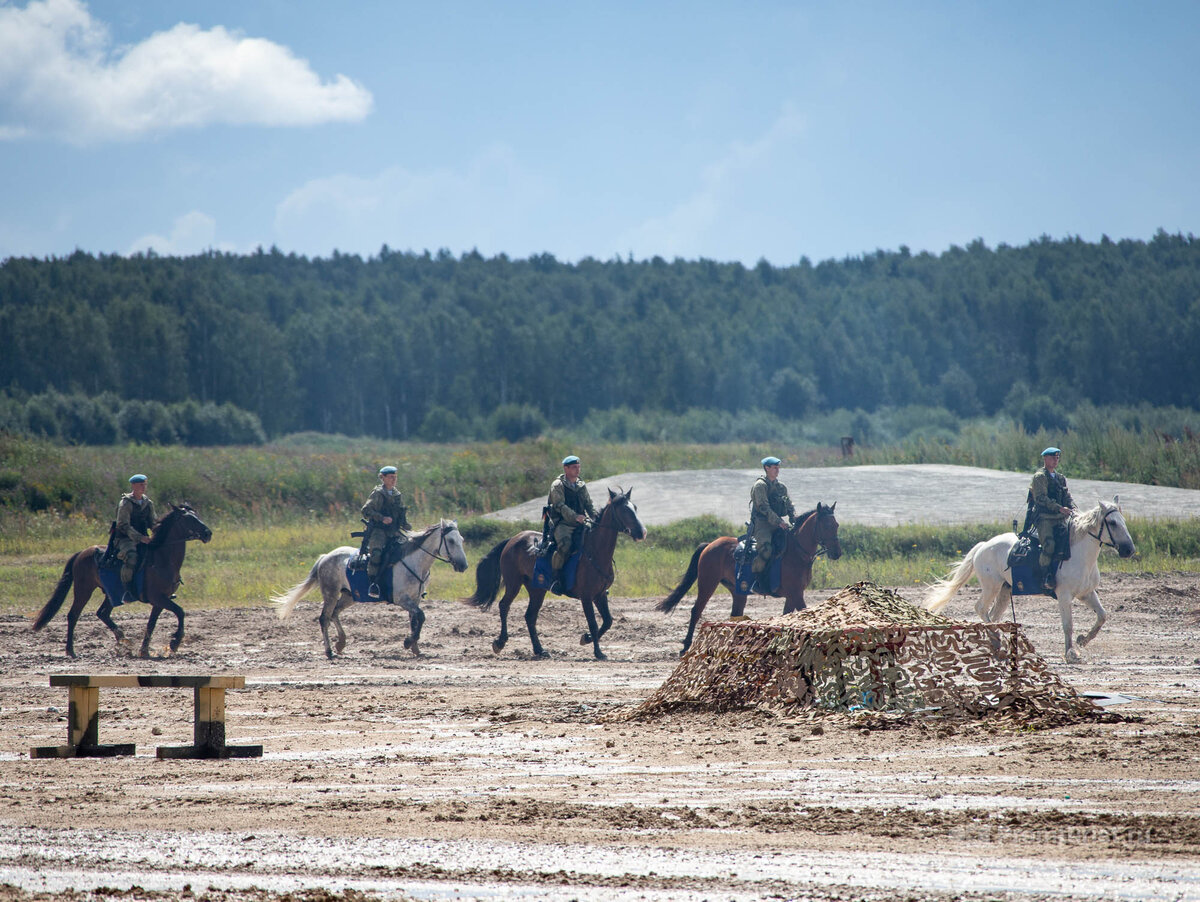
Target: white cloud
{"points": [[688, 229], [60, 76], [191, 233], [482, 206]]}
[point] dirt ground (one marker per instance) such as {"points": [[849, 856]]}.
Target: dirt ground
{"points": [[470, 775]]}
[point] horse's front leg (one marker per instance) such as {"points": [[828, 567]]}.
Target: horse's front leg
{"points": [[416, 619], [1070, 654], [793, 603], [593, 633], [155, 610], [605, 620], [1092, 600]]}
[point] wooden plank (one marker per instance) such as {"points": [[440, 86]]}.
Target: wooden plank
{"points": [[151, 680]]}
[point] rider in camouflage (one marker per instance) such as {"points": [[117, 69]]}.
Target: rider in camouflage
{"points": [[769, 504], [135, 516], [387, 518], [570, 507], [1051, 505]]}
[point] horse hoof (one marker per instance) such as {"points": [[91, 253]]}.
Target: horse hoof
{"points": [[416, 652], [1072, 657], [497, 646], [408, 642], [542, 655], [601, 656], [585, 639]]}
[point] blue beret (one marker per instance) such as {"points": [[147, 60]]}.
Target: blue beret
{"points": [[771, 461], [570, 459], [1051, 450], [137, 477], [387, 471]]}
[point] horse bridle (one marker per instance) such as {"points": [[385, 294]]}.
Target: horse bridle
{"points": [[436, 555], [1105, 526], [818, 548]]}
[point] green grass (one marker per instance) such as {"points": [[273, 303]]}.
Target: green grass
{"points": [[243, 565]]}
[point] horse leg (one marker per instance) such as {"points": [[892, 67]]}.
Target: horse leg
{"points": [[1003, 602], [83, 592], [105, 615], [593, 633], [536, 597], [416, 619], [1092, 600], [177, 636], [605, 620], [510, 592], [155, 610], [1071, 654], [331, 598], [794, 603], [705, 587]]}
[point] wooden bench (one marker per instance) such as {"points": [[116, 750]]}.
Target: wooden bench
{"points": [[83, 717]]}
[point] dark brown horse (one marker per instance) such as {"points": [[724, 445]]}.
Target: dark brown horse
{"points": [[512, 562], [164, 558], [814, 532]]}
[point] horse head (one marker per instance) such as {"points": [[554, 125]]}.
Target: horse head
{"points": [[1113, 528], [827, 531], [624, 511], [181, 524], [452, 542]]}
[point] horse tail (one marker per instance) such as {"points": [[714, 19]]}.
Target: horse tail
{"points": [[60, 593], [285, 602], [667, 605], [943, 590], [487, 579]]}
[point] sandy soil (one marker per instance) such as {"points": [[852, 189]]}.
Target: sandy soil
{"points": [[469, 775]]}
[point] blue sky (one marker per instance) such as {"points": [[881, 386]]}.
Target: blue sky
{"points": [[732, 131]]}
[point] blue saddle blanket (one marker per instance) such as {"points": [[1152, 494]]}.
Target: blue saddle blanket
{"points": [[543, 573], [745, 583], [110, 583], [1025, 581], [360, 585]]}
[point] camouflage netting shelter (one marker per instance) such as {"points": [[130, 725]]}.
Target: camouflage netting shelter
{"points": [[867, 649]]}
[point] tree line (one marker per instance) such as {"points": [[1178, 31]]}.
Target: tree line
{"points": [[405, 345]]}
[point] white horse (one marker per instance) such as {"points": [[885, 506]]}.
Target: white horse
{"points": [[442, 542], [1078, 577]]}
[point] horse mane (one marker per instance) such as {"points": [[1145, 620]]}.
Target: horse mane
{"points": [[621, 496], [800, 518], [1087, 520]]}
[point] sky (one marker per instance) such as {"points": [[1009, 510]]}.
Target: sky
{"points": [[727, 131]]}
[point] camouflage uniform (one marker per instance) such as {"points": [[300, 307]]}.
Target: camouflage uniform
{"points": [[1052, 504], [134, 519], [565, 502], [382, 503], [769, 503]]}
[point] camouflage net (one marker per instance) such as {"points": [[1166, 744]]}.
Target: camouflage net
{"points": [[866, 649]]}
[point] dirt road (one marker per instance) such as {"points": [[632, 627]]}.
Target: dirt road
{"points": [[468, 775]]}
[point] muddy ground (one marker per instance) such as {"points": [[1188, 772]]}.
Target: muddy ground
{"points": [[472, 775]]}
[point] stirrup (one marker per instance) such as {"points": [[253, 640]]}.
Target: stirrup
{"points": [[373, 591]]}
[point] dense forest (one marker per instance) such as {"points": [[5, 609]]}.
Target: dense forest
{"points": [[405, 345]]}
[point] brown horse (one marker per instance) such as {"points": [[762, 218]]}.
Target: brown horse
{"points": [[512, 562], [164, 558], [814, 532]]}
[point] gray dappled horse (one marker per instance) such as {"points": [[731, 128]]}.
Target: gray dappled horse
{"points": [[1078, 576], [441, 542], [163, 561], [512, 561]]}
